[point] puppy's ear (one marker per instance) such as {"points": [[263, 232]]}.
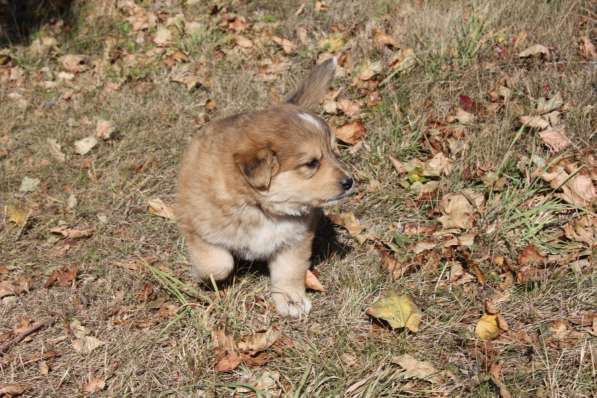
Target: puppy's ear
{"points": [[312, 90], [258, 168]]}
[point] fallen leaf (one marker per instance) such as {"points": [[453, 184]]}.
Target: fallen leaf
{"points": [[104, 129], [29, 184], [530, 256], [369, 70], [311, 282], [464, 117], [74, 63], [495, 372], [398, 166], [351, 133], [467, 103], [56, 150], [398, 310], [536, 50], [555, 139], [86, 344], [243, 42], [349, 222], [437, 166], [83, 146], [287, 46], [159, 208], [184, 74], [578, 189], [587, 49], [548, 105], [350, 108], [535, 122], [382, 39], [487, 327], [391, 265], [17, 215], [332, 43], [415, 369], [12, 389], [457, 211], [258, 342], [404, 61], [63, 277], [423, 246], [94, 384], [163, 36], [72, 233], [583, 229]]}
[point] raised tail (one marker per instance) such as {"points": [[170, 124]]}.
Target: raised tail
{"points": [[312, 90]]}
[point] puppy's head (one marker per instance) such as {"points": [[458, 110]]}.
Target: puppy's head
{"points": [[290, 160], [288, 154]]}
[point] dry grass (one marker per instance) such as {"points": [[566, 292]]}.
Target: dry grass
{"points": [[161, 345]]}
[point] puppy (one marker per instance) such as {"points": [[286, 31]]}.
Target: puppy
{"points": [[252, 186]]}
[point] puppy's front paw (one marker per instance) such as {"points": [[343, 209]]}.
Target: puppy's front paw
{"points": [[291, 304]]}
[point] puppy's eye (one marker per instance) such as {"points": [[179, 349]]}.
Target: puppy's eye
{"points": [[312, 164]]}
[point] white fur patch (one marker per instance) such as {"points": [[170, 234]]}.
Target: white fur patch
{"points": [[310, 119]]}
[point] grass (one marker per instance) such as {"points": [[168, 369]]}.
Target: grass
{"points": [[134, 291]]}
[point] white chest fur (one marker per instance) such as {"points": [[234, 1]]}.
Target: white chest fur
{"points": [[253, 235]]}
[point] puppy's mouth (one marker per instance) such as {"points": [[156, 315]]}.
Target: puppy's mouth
{"points": [[339, 198]]}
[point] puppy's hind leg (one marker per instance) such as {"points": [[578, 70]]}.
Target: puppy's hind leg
{"points": [[208, 261]]}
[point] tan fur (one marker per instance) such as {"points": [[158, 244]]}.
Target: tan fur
{"points": [[247, 188]]}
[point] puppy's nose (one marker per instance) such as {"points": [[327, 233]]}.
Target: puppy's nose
{"points": [[346, 183]]}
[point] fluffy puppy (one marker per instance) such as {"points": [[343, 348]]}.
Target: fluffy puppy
{"points": [[252, 186]]}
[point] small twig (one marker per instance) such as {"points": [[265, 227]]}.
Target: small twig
{"points": [[31, 329]]}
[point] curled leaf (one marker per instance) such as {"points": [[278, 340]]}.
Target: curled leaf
{"points": [[398, 310]]}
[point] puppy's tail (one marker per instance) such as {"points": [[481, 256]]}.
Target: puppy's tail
{"points": [[312, 90]]}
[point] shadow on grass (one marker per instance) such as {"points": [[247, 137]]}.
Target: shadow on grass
{"points": [[19, 19]]}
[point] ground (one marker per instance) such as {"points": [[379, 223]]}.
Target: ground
{"points": [[470, 129]]}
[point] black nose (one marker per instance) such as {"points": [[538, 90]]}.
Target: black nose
{"points": [[346, 183]]}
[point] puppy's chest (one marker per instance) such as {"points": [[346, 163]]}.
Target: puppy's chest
{"points": [[255, 236]]}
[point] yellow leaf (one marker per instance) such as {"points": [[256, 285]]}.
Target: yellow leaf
{"points": [[398, 310], [17, 215], [332, 43], [487, 327]]}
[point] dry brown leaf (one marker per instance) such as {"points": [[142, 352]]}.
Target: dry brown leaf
{"points": [[535, 122], [457, 211], [258, 342], [86, 344], [287, 46], [94, 384], [437, 166], [495, 371], [587, 49], [351, 133], [243, 42], [63, 277], [555, 139], [12, 389], [583, 229], [530, 256], [422, 246], [163, 36], [104, 129], [370, 69], [74, 63], [464, 117], [184, 74], [72, 233], [536, 50], [415, 369], [83, 146], [349, 222], [161, 209], [56, 150], [311, 282], [398, 166], [404, 61], [382, 39], [350, 108], [578, 190]]}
